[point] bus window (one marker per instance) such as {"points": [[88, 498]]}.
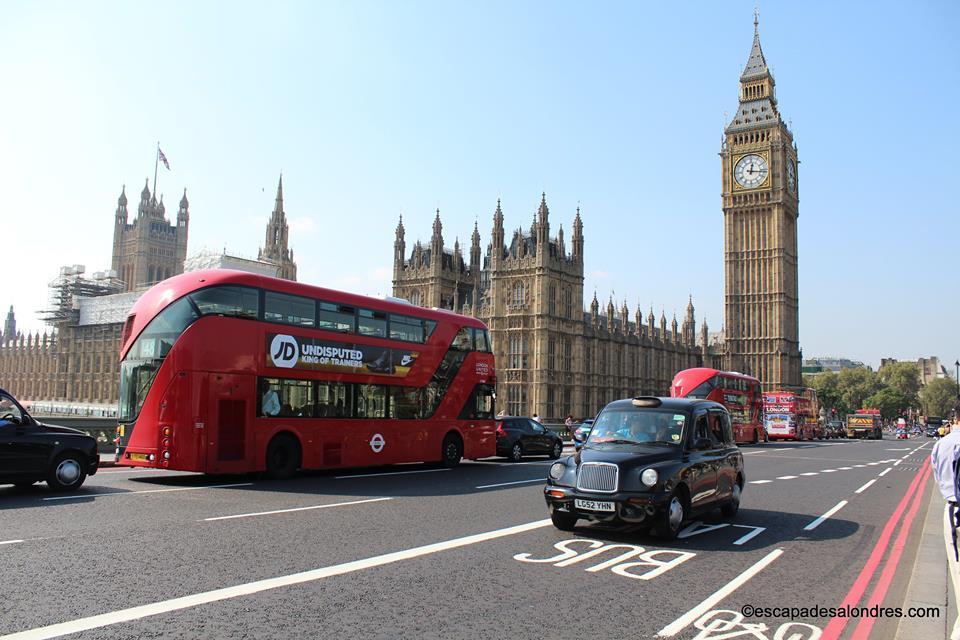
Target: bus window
{"points": [[334, 400], [406, 328], [479, 406], [404, 403], [463, 341], [371, 401], [296, 398], [280, 307], [481, 340], [703, 389], [428, 327], [242, 302], [336, 317], [372, 323]]}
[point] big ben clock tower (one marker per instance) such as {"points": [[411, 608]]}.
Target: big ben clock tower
{"points": [[760, 208]]}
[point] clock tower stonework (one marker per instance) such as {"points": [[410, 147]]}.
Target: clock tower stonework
{"points": [[760, 209]]}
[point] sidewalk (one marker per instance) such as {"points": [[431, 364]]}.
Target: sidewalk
{"points": [[930, 583]]}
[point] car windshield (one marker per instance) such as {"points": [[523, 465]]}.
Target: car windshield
{"points": [[636, 426]]}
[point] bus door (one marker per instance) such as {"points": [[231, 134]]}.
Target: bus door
{"points": [[229, 450]]}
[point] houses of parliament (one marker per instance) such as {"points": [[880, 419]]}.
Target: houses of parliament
{"points": [[553, 357]]}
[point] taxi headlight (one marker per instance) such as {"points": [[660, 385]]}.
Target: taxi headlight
{"points": [[556, 470], [649, 477]]}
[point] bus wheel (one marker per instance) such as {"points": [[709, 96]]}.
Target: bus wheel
{"points": [[283, 457], [452, 450]]}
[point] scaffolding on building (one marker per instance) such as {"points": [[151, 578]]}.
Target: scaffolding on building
{"points": [[72, 285]]}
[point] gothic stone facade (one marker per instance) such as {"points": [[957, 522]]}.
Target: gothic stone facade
{"points": [[760, 209], [553, 359], [149, 249]]}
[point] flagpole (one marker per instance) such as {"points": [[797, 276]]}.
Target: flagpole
{"points": [[156, 161]]}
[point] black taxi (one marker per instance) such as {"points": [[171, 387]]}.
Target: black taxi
{"points": [[650, 461]]}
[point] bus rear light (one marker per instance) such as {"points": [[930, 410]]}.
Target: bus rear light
{"points": [[167, 431], [166, 443], [151, 457], [166, 455], [165, 463]]}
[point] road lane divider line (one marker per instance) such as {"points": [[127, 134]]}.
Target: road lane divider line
{"points": [[258, 586], [827, 470], [760, 481], [885, 472], [819, 521], [844, 468], [694, 614], [866, 486], [504, 484], [862, 630], [811, 473], [80, 496], [388, 473], [835, 627], [897, 463], [10, 541], [787, 477], [310, 508]]}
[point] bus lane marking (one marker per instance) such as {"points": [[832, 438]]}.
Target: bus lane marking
{"points": [[258, 586], [697, 612], [819, 521], [750, 536], [618, 563], [310, 508], [885, 472], [9, 541], [80, 496], [698, 527], [865, 486]]}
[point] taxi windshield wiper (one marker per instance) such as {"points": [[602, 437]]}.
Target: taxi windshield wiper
{"points": [[621, 441]]}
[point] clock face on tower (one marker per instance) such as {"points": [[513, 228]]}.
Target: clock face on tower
{"points": [[750, 171], [791, 176]]}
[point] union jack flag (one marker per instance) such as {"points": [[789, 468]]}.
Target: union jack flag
{"points": [[163, 158]]}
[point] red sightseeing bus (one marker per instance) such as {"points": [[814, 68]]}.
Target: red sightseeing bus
{"points": [[792, 415], [230, 372], [738, 392]]}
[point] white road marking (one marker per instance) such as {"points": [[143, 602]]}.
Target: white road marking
{"points": [[844, 468], [827, 470], [689, 617], [226, 593], [811, 473], [504, 484], [698, 527], [760, 481], [859, 466], [885, 472], [872, 463], [10, 541], [786, 477], [388, 473], [134, 493], [750, 453], [899, 449], [897, 462], [750, 536], [819, 521], [866, 486], [318, 506]]}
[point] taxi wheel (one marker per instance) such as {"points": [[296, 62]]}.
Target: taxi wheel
{"points": [[670, 520], [66, 472], [516, 452], [563, 521], [730, 509], [557, 450]]}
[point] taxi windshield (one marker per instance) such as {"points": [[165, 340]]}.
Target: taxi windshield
{"points": [[635, 426]]}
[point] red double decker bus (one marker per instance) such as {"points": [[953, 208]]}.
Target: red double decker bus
{"points": [[738, 392], [792, 415], [230, 372]]}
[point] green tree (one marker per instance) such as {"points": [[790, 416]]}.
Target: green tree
{"points": [[855, 386], [891, 402], [939, 397], [826, 386], [904, 377]]}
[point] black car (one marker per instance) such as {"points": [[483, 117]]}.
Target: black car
{"points": [[517, 437], [655, 461], [31, 451]]}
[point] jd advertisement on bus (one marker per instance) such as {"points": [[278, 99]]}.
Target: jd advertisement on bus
{"points": [[297, 352]]}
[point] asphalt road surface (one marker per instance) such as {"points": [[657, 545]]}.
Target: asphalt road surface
{"points": [[423, 552]]}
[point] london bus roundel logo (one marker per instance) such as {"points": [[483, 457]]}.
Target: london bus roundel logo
{"points": [[285, 351], [377, 443]]}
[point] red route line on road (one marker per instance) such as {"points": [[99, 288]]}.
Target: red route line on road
{"points": [[866, 624], [837, 624]]}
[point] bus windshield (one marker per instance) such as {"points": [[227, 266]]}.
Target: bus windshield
{"points": [[145, 356]]}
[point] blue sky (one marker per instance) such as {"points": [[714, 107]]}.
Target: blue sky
{"points": [[372, 109]]}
